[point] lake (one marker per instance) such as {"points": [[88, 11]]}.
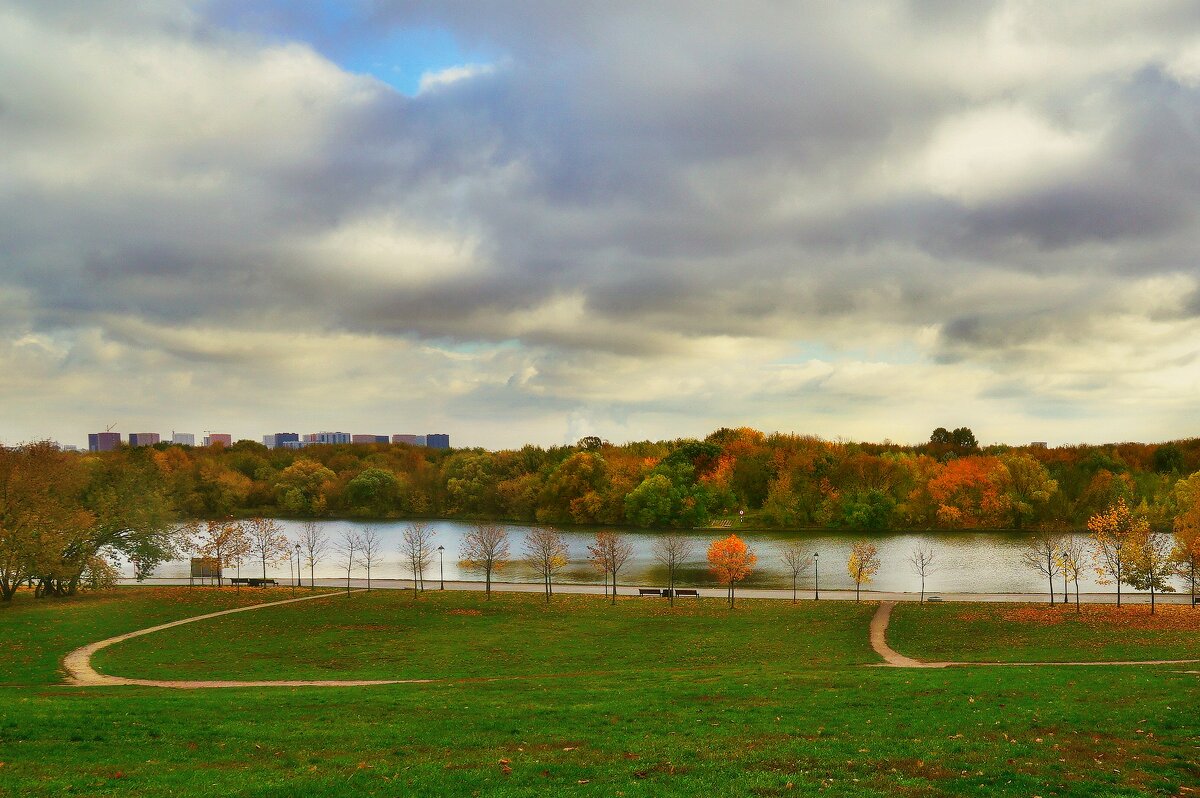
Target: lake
{"points": [[965, 562]]}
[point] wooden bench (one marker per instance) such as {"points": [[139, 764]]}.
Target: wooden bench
{"points": [[252, 582], [686, 591], [649, 591]]}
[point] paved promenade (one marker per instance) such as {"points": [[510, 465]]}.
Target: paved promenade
{"points": [[717, 592]]}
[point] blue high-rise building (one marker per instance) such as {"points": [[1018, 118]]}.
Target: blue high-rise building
{"points": [[437, 440]]}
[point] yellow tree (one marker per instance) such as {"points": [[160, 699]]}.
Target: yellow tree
{"points": [[1150, 566], [731, 561], [1112, 531], [863, 564], [1186, 554]]}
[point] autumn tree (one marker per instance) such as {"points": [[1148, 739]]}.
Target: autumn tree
{"points": [[302, 487], [969, 492], [1149, 566], [546, 553], [862, 565], [921, 561], [609, 552], [267, 542], [1027, 486], [314, 544], [672, 549], [222, 540], [416, 547], [1041, 554], [1186, 554], [41, 513], [1072, 560], [731, 561], [485, 547], [1112, 531], [797, 560]]}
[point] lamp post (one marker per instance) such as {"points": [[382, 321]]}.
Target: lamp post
{"points": [[441, 568], [292, 582], [298, 581], [816, 576]]}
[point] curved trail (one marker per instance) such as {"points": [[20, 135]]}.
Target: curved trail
{"points": [[894, 659], [78, 664]]}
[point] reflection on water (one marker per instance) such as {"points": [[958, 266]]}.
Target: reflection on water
{"points": [[984, 562]]}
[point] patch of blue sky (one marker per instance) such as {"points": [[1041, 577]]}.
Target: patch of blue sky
{"points": [[344, 33], [897, 353]]}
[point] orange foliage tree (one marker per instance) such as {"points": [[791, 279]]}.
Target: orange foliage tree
{"points": [[969, 492], [731, 561], [1113, 534]]}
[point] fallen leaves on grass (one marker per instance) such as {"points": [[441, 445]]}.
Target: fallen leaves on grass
{"points": [[1167, 617]]}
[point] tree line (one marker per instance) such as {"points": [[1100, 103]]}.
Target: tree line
{"points": [[63, 514], [777, 480]]}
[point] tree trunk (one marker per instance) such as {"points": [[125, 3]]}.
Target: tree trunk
{"points": [[793, 587], [312, 575], [922, 588], [857, 585], [1077, 610], [614, 587], [487, 584]]}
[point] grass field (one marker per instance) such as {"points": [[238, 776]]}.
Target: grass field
{"points": [[636, 700], [1040, 633]]}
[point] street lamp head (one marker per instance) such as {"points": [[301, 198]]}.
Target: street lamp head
{"points": [[816, 554], [441, 548]]}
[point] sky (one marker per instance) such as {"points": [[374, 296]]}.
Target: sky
{"points": [[525, 222]]}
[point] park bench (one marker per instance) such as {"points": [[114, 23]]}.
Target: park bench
{"points": [[649, 591], [686, 591], [252, 582], [933, 598]]}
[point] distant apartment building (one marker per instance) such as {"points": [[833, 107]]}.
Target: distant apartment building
{"points": [[183, 438], [218, 439], [321, 438], [104, 441], [278, 439], [437, 441], [362, 438], [292, 445], [1038, 445], [143, 438], [411, 440]]}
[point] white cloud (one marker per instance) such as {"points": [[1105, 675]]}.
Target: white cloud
{"points": [[432, 81]]}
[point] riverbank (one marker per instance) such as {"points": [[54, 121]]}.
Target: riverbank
{"points": [[806, 594]]}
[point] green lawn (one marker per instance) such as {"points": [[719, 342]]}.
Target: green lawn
{"points": [[627, 701], [387, 634], [1038, 633]]}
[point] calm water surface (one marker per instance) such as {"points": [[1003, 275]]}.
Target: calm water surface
{"points": [[965, 562]]}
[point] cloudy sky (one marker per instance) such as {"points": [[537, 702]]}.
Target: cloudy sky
{"points": [[527, 222]]}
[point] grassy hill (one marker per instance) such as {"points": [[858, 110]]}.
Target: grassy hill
{"points": [[578, 698]]}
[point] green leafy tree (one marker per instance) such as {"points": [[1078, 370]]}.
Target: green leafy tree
{"points": [[373, 492], [302, 487], [1028, 486]]}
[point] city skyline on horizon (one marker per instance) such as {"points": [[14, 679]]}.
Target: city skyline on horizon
{"points": [[533, 222]]}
